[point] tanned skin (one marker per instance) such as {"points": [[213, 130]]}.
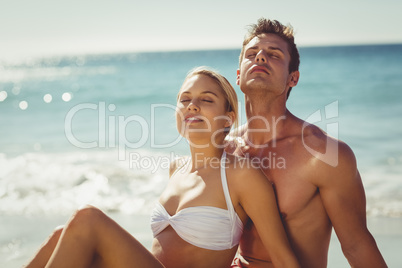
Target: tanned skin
{"points": [[315, 176]]}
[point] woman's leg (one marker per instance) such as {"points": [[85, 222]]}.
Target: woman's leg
{"points": [[91, 237], [43, 255]]}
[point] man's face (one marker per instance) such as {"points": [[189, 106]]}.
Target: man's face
{"points": [[265, 66]]}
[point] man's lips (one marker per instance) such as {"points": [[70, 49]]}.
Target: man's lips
{"points": [[259, 69]]}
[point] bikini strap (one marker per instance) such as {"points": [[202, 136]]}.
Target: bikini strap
{"points": [[226, 188]]}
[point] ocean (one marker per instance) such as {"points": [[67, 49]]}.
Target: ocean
{"points": [[100, 129]]}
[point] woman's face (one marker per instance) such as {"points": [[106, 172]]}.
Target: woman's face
{"points": [[201, 114]]}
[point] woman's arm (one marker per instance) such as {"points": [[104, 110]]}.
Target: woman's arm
{"points": [[257, 197]]}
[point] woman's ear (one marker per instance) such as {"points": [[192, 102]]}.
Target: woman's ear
{"points": [[232, 118]]}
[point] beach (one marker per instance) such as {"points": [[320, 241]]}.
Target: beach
{"points": [[100, 129], [23, 244], [388, 234]]}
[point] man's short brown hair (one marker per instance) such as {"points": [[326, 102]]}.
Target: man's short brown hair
{"points": [[266, 26]]}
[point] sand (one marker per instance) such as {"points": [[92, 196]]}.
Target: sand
{"points": [[388, 235], [21, 236]]}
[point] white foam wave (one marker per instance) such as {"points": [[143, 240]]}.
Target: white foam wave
{"points": [[38, 183], [383, 188], [59, 183]]}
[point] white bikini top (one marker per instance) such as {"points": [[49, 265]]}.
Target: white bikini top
{"points": [[203, 226]]}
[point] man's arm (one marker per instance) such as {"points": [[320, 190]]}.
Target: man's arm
{"points": [[257, 198], [343, 196]]}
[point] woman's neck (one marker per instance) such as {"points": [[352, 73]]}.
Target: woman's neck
{"points": [[205, 157]]}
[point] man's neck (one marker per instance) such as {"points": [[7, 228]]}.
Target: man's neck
{"points": [[266, 120]]}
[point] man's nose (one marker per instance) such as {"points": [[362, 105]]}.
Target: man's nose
{"points": [[261, 57]]}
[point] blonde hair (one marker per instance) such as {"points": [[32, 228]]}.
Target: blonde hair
{"points": [[227, 90]]}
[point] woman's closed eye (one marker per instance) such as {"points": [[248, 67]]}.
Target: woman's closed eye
{"points": [[204, 100]]}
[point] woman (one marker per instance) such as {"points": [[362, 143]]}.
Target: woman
{"points": [[200, 215]]}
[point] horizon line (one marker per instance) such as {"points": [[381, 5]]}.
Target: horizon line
{"points": [[41, 56]]}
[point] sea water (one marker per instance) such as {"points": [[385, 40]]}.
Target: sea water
{"points": [[92, 128], [101, 129]]}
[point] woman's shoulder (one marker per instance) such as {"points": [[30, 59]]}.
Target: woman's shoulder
{"points": [[245, 176], [239, 167]]}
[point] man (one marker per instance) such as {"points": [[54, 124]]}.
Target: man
{"points": [[315, 176]]}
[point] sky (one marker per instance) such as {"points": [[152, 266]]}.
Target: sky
{"points": [[47, 27]]}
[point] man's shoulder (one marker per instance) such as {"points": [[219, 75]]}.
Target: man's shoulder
{"points": [[329, 157], [317, 141]]}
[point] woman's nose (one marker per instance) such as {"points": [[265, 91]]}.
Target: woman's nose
{"points": [[193, 106]]}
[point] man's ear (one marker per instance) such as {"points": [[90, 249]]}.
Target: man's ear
{"points": [[293, 78], [238, 77]]}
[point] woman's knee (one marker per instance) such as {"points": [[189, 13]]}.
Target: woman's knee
{"points": [[57, 232], [54, 237], [89, 210], [86, 217]]}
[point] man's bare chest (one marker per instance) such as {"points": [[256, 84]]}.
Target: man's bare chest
{"points": [[290, 175]]}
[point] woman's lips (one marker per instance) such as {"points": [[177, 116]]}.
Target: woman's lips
{"points": [[192, 119]]}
